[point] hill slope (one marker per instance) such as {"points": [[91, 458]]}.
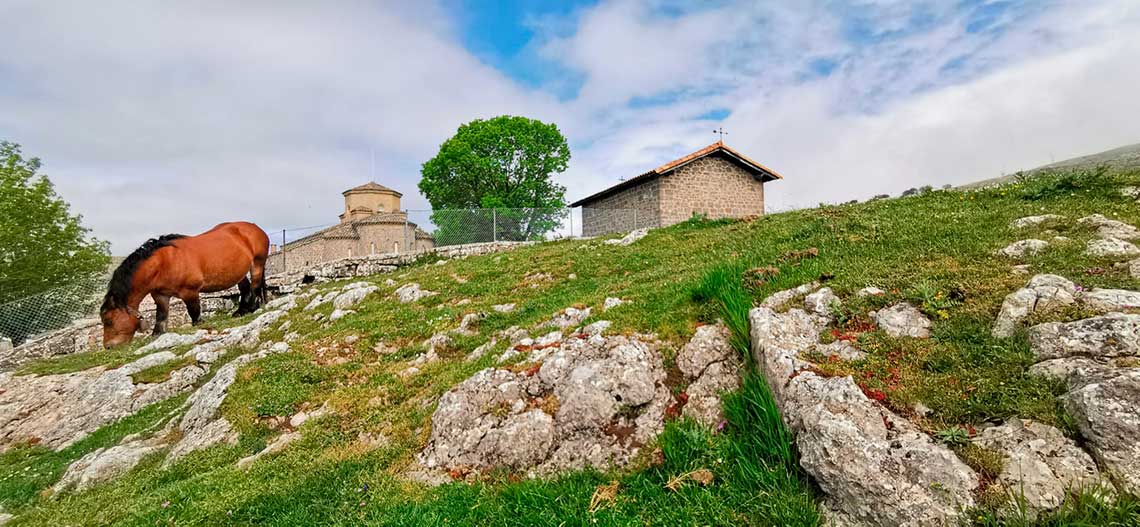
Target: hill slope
{"points": [[1124, 158], [369, 384]]}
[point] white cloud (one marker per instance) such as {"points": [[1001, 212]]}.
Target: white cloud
{"points": [[155, 118], [170, 118]]}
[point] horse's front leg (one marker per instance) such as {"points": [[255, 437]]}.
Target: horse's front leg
{"points": [[193, 307], [161, 312]]}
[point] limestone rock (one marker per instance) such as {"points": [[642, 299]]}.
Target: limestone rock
{"points": [[286, 303], [1105, 300], [481, 350], [1044, 292], [780, 299], [611, 302], [503, 308], [170, 340], [469, 324], [1023, 247], [58, 410], [1041, 464], [1134, 268], [104, 464], [1075, 371], [352, 296], [712, 367], [1106, 415], [320, 300], [202, 425], [1030, 221], [821, 301], [1111, 248], [628, 239], [875, 467], [1109, 228], [411, 292], [1105, 336], [902, 320], [569, 318], [592, 402], [870, 291], [338, 314], [842, 349], [275, 445], [596, 328]]}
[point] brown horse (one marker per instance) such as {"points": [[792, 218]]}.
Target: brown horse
{"points": [[184, 266]]}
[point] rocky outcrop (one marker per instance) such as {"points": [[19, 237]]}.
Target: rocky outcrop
{"points": [[1109, 228], [105, 464], [1043, 293], [412, 292], [353, 294], [902, 320], [58, 410], [1022, 248], [1111, 248], [1106, 415], [569, 317], [1032, 221], [1041, 465], [593, 401], [874, 466], [1106, 336], [628, 239], [712, 367]]}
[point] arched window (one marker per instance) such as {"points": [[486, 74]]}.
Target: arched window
{"points": [[372, 248], [396, 247]]}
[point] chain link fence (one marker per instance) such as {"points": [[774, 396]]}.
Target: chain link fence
{"points": [[51, 310]]}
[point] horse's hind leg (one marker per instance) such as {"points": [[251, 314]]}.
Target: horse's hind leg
{"points": [[245, 300], [259, 295], [161, 312]]}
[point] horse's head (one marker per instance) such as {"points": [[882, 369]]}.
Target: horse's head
{"points": [[119, 324]]}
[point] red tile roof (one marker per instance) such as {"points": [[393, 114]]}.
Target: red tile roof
{"points": [[760, 172], [372, 186]]}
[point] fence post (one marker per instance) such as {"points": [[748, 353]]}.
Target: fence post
{"points": [[284, 266], [494, 225]]}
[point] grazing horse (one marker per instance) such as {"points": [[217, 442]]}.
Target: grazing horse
{"points": [[184, 266]]}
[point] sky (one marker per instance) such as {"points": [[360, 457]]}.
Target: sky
{"points": [[171, 117]]}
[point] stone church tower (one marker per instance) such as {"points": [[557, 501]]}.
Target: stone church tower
{"points": [[369, 199]]}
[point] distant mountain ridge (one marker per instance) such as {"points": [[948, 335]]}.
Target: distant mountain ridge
{"points": [[1124, 157]]}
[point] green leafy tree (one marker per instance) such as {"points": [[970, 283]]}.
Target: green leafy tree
{"points": [[503, 164], [50, 265]]}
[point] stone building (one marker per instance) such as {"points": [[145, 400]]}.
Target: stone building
{"points": [[371, 224], [715, 181]]}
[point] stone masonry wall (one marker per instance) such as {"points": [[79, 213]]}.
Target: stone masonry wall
{"points": [[375, 239], [712, 186], [633, 208]]}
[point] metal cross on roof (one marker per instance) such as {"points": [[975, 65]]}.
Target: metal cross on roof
{"points": [[720, 131]]}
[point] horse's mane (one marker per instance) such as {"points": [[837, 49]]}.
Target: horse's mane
{"points": [[120, 285]]}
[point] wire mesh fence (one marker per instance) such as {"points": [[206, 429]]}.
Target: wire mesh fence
{"points": [[51, 310]]}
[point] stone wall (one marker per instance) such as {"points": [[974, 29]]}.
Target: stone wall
{"points": [[374, 239], [632, 208], [712, 186]]}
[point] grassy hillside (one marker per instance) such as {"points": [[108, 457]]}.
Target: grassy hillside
{"points": [[935, 250], [1124, 158]]}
